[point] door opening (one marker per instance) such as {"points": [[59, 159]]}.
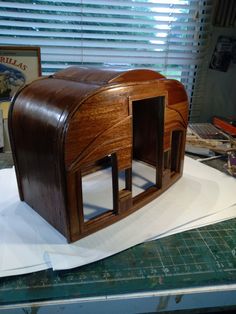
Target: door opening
{"points": [[148, 133]]}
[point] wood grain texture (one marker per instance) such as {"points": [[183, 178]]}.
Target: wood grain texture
{"points": [[80, 119]]}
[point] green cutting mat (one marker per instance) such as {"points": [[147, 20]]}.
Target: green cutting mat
{"points": [[200, 257]]}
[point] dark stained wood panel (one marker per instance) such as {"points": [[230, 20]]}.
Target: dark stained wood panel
{"points": [[79, 120]]}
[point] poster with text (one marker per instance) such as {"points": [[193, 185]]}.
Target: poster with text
{"points": [[18, 66]]}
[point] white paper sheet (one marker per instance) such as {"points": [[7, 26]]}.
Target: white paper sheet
{"points": [[28, 243], [221, 215]]}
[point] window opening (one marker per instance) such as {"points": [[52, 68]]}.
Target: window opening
{"points": [[168, 36], [100, 188]]}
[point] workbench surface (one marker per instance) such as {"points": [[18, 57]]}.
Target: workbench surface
{"points": [[196, 263]]}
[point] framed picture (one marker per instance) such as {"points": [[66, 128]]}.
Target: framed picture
{"points": [[223, 54], [18, 66]]}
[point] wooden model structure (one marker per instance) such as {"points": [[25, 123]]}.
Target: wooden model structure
{"points": [[67, 125]]}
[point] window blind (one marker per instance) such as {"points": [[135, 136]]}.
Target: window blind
{"points": [[168, 36]]}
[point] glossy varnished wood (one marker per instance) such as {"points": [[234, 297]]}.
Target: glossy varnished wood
{"points": [[78, 120]]}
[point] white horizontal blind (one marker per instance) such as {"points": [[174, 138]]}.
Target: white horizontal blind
{"points": [[165, 35]]}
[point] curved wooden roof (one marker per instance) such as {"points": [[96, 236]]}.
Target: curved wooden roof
{"points": [[105, 76]]}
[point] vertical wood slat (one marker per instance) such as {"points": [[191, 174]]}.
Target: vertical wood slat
{"points": [[160, 143], [115, 186], [80, 206], [128, 179]]}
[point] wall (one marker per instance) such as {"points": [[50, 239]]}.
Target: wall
{"points": [[220, 87]]}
